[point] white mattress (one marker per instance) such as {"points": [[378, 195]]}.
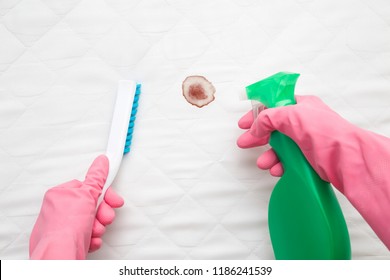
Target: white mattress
{"points": [[190, 192]]}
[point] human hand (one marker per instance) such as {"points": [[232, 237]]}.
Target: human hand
{"points": [[68, 225], [354, 160], [313, 126]]}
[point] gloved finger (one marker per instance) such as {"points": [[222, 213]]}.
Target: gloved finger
{"points": [[267, 160], [247, 140], [113, 199], [105, 214], [277, 170], [246, 121], [96, 243], [98, 229], [96, 176], [272, 119], [285, 119]]}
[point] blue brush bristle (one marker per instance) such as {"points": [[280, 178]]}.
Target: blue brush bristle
{"points": [[132, 119]]}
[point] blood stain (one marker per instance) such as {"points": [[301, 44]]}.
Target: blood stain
{"points": [[198, 91]]}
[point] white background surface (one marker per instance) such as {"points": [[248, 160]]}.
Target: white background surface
{"points": [[190, 192]]}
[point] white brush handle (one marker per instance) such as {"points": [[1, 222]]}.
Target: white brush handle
{"points": [[118, 131]]}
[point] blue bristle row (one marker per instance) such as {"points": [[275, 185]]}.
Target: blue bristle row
{"points": [[134, 110]]}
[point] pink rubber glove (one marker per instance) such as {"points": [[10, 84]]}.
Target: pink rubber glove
{"points": [[355, 161], [68, 225]]}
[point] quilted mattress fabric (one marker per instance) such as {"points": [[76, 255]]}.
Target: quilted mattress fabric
{"points": [[190, 192]]}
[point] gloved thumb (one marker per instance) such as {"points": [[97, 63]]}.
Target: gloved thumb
{"points": [[96, 176]]}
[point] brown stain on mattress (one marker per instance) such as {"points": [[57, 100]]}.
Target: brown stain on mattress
{"points": [[198, 91]]}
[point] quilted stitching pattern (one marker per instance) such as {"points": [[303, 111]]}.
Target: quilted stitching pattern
{"points": [[190, 192]]}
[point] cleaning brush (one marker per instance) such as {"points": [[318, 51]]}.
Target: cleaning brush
{"points": [[122, 127]]}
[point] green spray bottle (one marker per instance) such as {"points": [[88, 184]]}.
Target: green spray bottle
{"points": [[304, 217]]}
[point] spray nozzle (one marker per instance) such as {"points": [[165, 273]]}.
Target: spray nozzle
{"points": [[274, 91]]}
